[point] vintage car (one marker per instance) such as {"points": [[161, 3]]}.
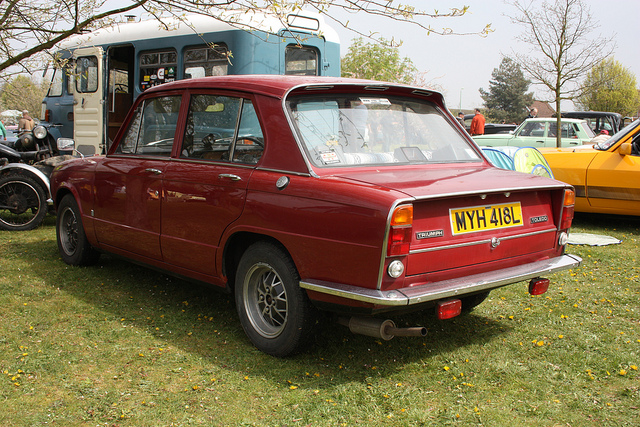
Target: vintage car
{"points": [[606, 176], [598, 120], [304, 193], [541, 132], [489, 128]]}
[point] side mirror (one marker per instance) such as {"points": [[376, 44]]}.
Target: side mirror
{"points": [[625, 149], [66, 144]]}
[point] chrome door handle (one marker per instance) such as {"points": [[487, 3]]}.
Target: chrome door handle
{"points": [[153, 171], [231, 176]]}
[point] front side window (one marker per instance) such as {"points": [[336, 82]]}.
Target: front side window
{"points": [[347, 130], [86, 74], [151, 131], [57, 81], [534, 129], [301, 60], [157, 67], [222, 128]]}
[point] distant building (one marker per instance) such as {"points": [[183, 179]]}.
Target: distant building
{"points": [[544, 109]]}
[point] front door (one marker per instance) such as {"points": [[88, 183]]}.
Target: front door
{"points": [[129, 183]]}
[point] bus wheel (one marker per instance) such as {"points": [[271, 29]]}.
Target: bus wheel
{"points": [[274, 311], [23, 203]]}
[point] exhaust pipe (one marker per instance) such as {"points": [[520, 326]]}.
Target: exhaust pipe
{"points": [[379, 328]]}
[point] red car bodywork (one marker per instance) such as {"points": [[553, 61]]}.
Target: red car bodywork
{"points": [[196, 218]]}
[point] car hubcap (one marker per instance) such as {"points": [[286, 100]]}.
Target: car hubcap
{"points": [[265, 300], [69, 232]]}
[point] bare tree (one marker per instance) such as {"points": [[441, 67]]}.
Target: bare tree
{"points": [[32, 27], [562, 52]]}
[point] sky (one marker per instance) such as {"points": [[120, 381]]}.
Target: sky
{"points": [[461, 65]]}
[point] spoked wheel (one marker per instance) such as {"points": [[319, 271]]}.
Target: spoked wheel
{"points": [[275, 313], [23, 203], [73, 245]]}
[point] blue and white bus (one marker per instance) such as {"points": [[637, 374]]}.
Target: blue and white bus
{"points": [[105, 70]]}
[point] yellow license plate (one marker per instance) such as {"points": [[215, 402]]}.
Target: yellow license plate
{"points": [[482, 218]]}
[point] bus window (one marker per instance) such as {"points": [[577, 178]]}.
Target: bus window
{"points": [[300, 60], [56, 83], [157, 67], [206, 61], [87, 74]]}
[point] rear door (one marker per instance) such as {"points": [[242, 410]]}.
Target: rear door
{"points": [[205, 189], [88, 100]]}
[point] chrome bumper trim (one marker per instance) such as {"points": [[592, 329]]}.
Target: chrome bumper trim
{"points": [[446, 288]]}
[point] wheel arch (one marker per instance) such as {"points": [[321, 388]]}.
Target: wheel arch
{"points": [[31, 172], [235, 247]]}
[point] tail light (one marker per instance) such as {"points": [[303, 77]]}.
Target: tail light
{"points": [[567, 209], [538, 286], [400, 231]]}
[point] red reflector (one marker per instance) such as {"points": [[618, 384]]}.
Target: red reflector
{"points": [[448, 309], [538, 286]]}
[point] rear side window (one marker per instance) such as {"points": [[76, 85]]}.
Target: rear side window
{"points": [[222, 128], [151, 131]]}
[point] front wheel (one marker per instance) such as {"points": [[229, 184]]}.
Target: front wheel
{"points": [[23, 203], [73, 245], [274, 311]]}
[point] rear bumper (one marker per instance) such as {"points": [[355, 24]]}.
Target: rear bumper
{"points": [[446, 288]]}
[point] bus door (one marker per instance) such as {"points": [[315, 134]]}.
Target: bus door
{"points": [[88, 100], [120, 87]]}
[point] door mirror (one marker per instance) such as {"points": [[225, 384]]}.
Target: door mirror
{"points": [[625, 149]]}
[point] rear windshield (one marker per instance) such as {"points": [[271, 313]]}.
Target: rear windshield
{"points": [[351, 130]]}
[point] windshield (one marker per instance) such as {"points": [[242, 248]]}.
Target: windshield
{"points": [[353, 130], [605, 145]]}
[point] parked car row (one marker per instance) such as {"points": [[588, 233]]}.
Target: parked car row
{"points": [[541, 132], [275, 189], [606, 176]]}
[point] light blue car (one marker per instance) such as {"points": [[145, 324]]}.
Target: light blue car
{"points": [[540, 132]]}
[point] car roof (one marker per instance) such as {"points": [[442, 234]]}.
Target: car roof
{"points": [[590, 114], [553, 119], [273, 85]]}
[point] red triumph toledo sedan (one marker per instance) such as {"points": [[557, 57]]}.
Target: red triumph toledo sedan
{"points": [[305, 193]]}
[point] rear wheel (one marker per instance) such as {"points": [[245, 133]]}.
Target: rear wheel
{"points": [[274, 311], [23, 203], [73, 245]]}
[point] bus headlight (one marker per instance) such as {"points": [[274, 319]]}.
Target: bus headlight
{"points": [[40, 132]]}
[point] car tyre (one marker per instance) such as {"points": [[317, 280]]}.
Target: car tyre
{"points": [[274, 311], [73, 245], [23, 201], [471, 302]]}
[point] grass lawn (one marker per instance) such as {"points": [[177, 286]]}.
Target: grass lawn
{"points": [[121, 345]]}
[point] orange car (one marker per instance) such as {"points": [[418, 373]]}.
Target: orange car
{"points": [[606, 176]]}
